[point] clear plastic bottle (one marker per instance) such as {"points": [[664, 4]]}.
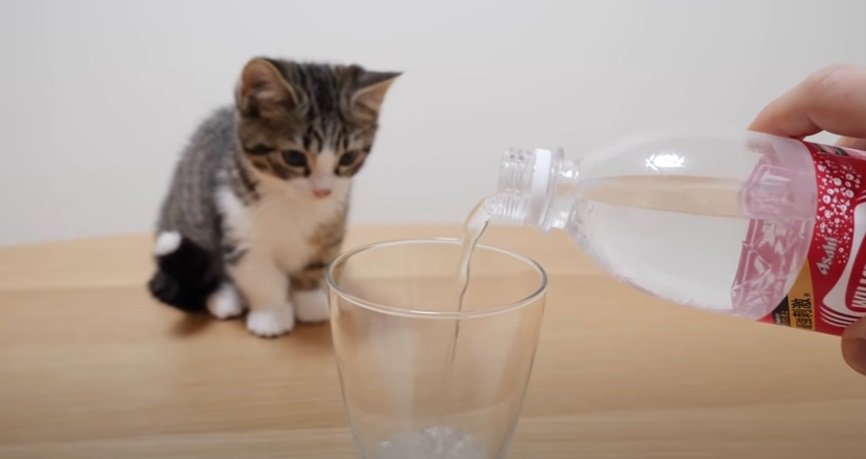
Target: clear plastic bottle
{"points": [[748, 224]]}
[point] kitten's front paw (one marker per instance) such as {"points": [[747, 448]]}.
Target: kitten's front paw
{"points": [[225, 303], [272, 322], [312, 305]]}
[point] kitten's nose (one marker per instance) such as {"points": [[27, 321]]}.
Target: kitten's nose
{"points": [[321, 193]]}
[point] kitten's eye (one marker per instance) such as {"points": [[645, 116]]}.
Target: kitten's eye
{"points": [[348, 158], [259, 149], [295, 158]]}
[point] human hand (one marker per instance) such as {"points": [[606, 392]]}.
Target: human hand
{"points": [[833, 100]]}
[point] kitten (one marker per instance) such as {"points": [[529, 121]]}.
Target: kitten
{"points": [[258, 202]]}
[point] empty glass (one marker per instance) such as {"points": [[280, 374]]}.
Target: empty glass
{"points": [[422, 377]]}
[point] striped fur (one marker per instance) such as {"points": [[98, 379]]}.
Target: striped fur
{"points": [[282, 157], [318, 108]]}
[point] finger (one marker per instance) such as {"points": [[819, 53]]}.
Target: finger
{"points": [[832, 99], [854, 346], [850, 142]]}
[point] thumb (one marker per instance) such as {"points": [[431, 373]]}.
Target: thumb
{"points": [[854, 346]]}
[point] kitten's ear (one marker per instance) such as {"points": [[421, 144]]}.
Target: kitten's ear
{"points": [[263, 90], [371, 87]]}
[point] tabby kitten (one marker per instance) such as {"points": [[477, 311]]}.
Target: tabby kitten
{"points": [[257, 205]]}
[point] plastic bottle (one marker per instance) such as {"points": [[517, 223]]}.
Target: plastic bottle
{"points": [[749, 224]]}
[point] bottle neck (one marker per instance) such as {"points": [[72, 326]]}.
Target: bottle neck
{"points": [[536, 188]]}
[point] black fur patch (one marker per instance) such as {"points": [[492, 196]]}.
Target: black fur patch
{"points": [[186, 277]]}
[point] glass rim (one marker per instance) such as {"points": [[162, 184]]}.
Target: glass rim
{"points": [[452, 315]]}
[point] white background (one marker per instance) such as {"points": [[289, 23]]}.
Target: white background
{"points": [[98, 97]]}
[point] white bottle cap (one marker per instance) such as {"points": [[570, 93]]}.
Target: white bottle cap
{"points": [[538, 188], [521, 197]]}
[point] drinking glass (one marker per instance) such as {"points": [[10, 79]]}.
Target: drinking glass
{"points": [[421, 376]]}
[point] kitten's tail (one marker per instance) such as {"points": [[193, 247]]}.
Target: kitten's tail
{"points": [[186, 274]]}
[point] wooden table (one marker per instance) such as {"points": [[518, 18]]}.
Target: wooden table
{"points": [[91, 367]]}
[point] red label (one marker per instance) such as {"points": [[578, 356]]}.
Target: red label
{"points": [[830, 292]]}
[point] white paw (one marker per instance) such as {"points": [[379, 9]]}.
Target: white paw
{"points": [[166, 243], [268, 323], [312, 306], [225, 302]]}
